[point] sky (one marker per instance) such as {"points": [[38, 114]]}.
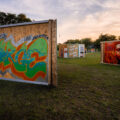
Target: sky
{"points": [[76, 19]]}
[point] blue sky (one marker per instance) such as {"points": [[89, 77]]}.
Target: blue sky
{"points": [[76, 18]]}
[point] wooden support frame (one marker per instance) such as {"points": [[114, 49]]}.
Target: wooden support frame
{"points": [[102, 52], [53, 52]]}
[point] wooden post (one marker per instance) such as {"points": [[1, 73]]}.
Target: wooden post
{"points": [[50, 51], [54, 53], [102, 52]]}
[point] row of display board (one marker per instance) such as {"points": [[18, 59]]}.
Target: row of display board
{"points": [[28, 52], [71, 50]]}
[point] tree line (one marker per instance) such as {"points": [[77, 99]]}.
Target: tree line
{"points": [[10, 18], [89, 43]]}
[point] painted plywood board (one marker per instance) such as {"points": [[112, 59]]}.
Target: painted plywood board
{"points": [[81, 50], [24, 53], [111, 52], [73, 50]]}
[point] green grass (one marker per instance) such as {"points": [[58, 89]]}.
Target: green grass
{"points": [[87, 90]]}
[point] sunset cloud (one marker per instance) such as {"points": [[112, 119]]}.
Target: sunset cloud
{"points": [[76, 18]]}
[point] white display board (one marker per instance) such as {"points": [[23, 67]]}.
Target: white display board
{"points": [[81, 50]]}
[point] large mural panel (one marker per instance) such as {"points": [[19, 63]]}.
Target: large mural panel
{"points": [[26, 59], [112, 52]]}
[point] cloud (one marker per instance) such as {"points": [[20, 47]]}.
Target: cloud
{"points": [[76, 18], [105, 20]]}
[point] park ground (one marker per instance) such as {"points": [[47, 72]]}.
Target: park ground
{"points": [[87, 90]]}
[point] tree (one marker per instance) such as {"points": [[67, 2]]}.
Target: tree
{"points": [[2, 18], [118, 37], [87, 42], [105, 37], [9, 18], [58, 45], [22, 18], [72, 41]]}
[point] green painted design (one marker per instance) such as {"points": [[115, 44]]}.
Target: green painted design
{"points": [[28, 61]]}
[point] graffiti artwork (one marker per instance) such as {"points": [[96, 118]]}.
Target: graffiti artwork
{"points": [[112, 52], [71, 50], [26, 59]]}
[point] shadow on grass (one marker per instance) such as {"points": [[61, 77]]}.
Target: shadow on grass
{"points": [[22, 88]]}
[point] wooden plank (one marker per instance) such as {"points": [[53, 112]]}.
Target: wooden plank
{"points": [[18, 33], [25, 23], [50, 51], [60, 48], [102, 52], [54, 53]]}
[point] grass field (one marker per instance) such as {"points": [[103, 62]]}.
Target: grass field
{"points": [[87, 90]]}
